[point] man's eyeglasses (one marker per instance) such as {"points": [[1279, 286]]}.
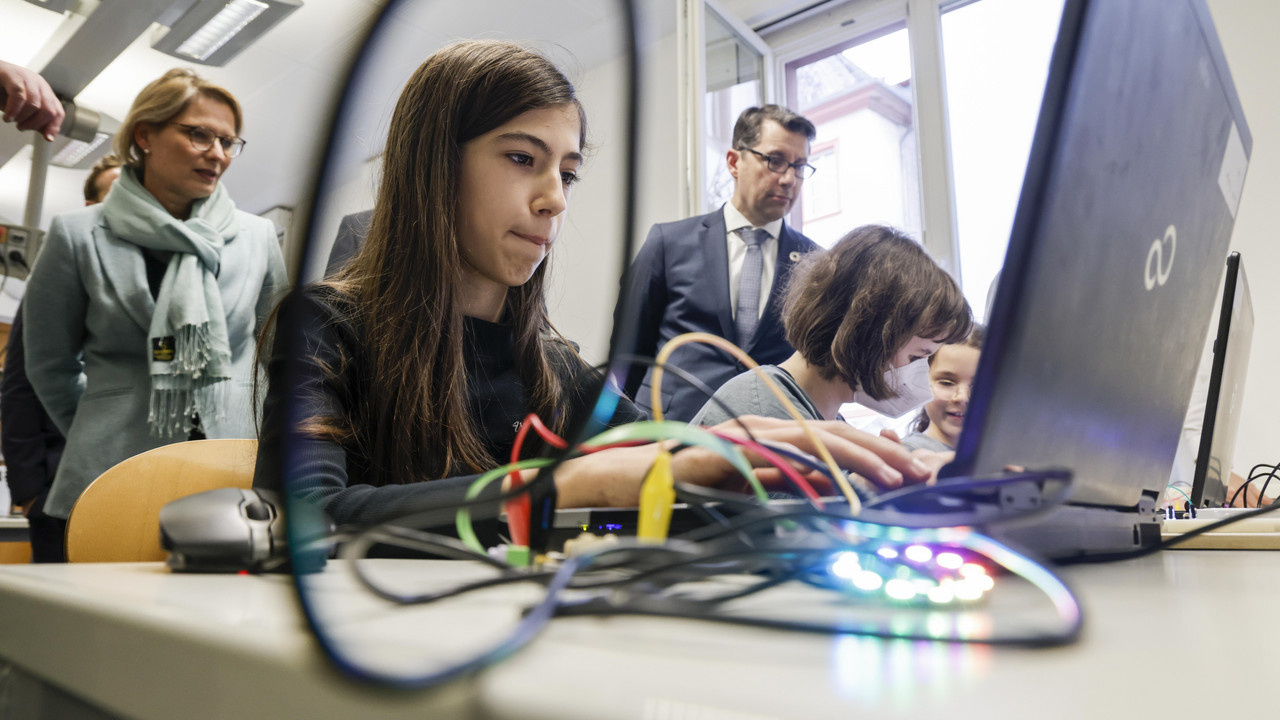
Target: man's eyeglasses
{"points": [[779, 164], [202, 139]]}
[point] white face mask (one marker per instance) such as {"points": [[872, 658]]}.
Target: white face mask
{"points": [[908, 390]]}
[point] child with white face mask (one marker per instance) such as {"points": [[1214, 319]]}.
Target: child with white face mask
{"points": [[864, 318], [951, 372]]}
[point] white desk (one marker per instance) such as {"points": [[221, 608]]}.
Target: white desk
{"points": [[1184, 634]]}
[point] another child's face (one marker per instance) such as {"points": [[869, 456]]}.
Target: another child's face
{"points": [[515, 186], [951, 378]]}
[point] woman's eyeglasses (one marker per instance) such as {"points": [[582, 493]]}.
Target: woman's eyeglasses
{"points": [[202, 139]]}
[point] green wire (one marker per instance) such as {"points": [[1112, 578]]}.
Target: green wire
{"points": [[645, 430], [465, 532], [1182, 493], [686, 434]]}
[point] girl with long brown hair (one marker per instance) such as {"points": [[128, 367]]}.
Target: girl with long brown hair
{"points": [[424, 355]]}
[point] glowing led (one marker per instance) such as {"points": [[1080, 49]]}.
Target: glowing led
{"points": [[887, 553], [968, 589], [985, 582], [949, 560], [900, 589], [918, 553], [969, 569], [867, 580], [845, 565]]}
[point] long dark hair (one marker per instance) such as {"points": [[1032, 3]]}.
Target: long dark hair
{"points": [[850, 309], [410, 416]]}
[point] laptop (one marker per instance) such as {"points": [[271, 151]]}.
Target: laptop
{"points": [[1110, 276], [1224, 396], [1104, 302], [1226, 389]]}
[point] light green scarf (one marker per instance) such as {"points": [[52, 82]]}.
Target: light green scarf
{"points": [[187, 345]]}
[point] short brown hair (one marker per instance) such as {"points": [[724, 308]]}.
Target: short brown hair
{"points": [[850, 309], [105, 163], [161, 101], [746, 132]]}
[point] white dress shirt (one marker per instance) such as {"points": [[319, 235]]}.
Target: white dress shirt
{"points": [[734, 221]]}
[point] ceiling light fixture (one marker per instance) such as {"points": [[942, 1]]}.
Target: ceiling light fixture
{"points": [[211, 32], [77, 151], [58, 6]]}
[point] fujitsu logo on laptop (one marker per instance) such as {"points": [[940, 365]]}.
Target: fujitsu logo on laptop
{"points": [[1157, 270]]}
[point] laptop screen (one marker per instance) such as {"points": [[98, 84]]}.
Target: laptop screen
{"points": [[1226, 389], [1109, 281]]}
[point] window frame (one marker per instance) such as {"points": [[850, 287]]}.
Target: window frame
{"points": [[858, 19], [691, 70]]}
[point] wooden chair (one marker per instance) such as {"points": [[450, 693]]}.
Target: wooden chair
{"points": [[117, 519]]}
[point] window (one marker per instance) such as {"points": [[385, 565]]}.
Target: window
{"points": [[997, 57], [821, 195], [859, 96], [734, 82], [932, 105]]}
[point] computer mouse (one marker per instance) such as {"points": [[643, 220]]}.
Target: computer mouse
{"points": [[224, 530]]}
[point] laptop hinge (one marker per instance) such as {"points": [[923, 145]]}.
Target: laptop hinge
{"points": [[1021, 496]]}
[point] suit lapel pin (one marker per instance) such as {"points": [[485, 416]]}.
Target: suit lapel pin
{"points": [[795, 256]]}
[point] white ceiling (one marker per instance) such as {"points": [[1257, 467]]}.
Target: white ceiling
{"points": [[283, 82], [288, 80]]}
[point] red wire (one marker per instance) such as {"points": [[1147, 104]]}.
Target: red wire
{"points": [[519, 509], [777, 461]]}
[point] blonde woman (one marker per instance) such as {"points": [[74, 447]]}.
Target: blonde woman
{"points": [[142, 313]]}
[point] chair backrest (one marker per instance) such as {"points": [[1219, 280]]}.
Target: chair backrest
{"points": [[117, 518]]}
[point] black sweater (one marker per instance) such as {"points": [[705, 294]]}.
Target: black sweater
{"points": [[331, 475]]}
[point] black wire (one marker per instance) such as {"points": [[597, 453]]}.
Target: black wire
{"points": [[635, 588], [1271, 474], [1253, 475], [1069, 635], [693, 380], [1236, 494], [648, 604]]}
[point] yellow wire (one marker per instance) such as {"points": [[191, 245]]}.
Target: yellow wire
{"points": [[855, 505]]}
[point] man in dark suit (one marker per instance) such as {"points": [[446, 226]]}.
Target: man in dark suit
{"points": [[723, 272], [351, 234]]}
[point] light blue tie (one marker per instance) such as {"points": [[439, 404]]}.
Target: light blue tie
{"points": [[748, 311]]}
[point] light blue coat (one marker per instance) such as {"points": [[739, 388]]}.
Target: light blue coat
{"points": [[87, 312]]}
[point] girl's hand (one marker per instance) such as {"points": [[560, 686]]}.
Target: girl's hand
{"points": [[612, 478]]}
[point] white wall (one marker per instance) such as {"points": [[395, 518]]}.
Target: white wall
{"points": [[866, 139], [1247, 29], [587, 263]]}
